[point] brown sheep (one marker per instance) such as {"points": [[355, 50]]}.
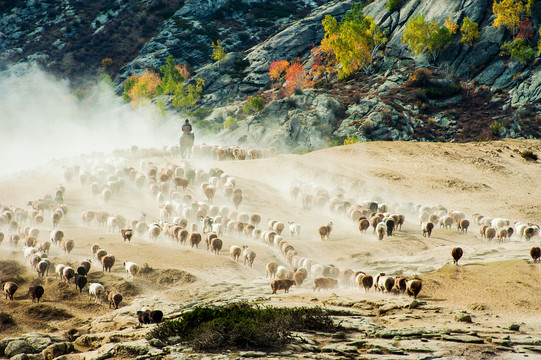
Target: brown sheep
{"points": [[67, 245], [299, 277], [67, 273], [366, 281], [248, 255], [209, 236], [490, 233], [325, 231], [114, 298], [278, 227], [462, 225], [363, 225], [9, 289], [325, 283], [237, 200], [501, 234], [30, 241], [535, 253], [194, 238], [100, 254], [281, 284], [456, 253], [107, 262], [413, 287], [36, 292], [271, 268], [235, 251], [400, 284], [127, 234], [216, 245], [182, 182], [384, 283], [86, 264], [210, 191], [427, 228]]}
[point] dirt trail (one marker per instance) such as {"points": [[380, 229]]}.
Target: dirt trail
{"points": [[495, 281]]}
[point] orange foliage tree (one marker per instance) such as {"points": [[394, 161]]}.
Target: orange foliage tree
{"points": [[277, 69], [144, 86]]}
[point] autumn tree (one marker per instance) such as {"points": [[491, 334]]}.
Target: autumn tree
{"points": [[296, 79], [277, 69], [469, 30], [218, 53], [352, 43], [451, 25], [508, 13], [139, 88], [186, 95], [422, 36]]}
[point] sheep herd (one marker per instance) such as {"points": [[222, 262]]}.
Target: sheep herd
{"points": [[194, 205]]}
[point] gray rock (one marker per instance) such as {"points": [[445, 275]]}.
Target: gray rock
{"points": [[491, 73], [16, 347], [38, 342], [463, 317]]}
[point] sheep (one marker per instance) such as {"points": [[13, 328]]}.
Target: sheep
{"points": [[114, 298], [271, 267], [255, 219], [237, 200], [400, 284], [299, 276], [67, 245], [381, 229], [210, 192], [9, 289], [154, 231], [384, 283], [248, 255], [80, 282], [36, 292], [132, 269], [346, 277], [294, 229], [143, 317], [59, 270], [325, 231], [281, 284], [535, 253], [366, 281], [363, 225], [216, 245], [427, 228], [325, 283], [44, 247], [446, 222], [235, 252], [68, 273], [194, 238], [413, 287], [498, 223], [30, 241], [86, 264], [107, 262], [456, 253], [490, 233], [96, 291], [281, 272], [390, 224], [278, 227], [501, 234], [462, 225], [100, 254], [42, 267], [127, 234], [530, 231], [156, 316]]}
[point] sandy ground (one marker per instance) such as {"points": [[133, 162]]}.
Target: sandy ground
{"points": [[497, 283]]}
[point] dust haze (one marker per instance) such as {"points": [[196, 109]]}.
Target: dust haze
{"points": [[41, 120]]}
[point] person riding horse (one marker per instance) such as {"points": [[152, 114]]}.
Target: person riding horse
{"points": [[187, 139]]}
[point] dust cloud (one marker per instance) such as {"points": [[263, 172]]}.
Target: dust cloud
{"points": [[41, 119]]}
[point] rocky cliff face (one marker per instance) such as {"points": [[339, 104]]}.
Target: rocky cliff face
{"points": [[497, 96]]}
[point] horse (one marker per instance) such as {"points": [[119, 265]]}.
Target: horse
{"points": [[186, 143]]}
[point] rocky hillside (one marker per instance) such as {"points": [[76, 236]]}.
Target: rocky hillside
{"points": [[469, 93]]}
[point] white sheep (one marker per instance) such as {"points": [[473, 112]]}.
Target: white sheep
{"points": [[499, 223], [316, 270], [248, 255], [294, 229], [381, 230], [132, 269], [96, 291], [281, 272]]}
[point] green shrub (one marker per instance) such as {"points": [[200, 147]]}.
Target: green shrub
{"points": [[242, 326], [336, 141], [497, 128], [231, 123], [351, 140], [529, 155], [255, 104], [393, 5], [441, 92], [519, 50]]}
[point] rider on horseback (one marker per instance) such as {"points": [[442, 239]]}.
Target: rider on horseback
{"points": [[187, 129]]}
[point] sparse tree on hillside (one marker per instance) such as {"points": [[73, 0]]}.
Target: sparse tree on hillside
{"points": [[218, 53], [519, 50], [422, 36], [353, 43], [470, 31]]}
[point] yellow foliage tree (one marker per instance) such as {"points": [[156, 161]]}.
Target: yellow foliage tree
{"points": [[144, 87], [508, 13], [449, 24], [218, 53], [353, 43], [470, 31]]}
